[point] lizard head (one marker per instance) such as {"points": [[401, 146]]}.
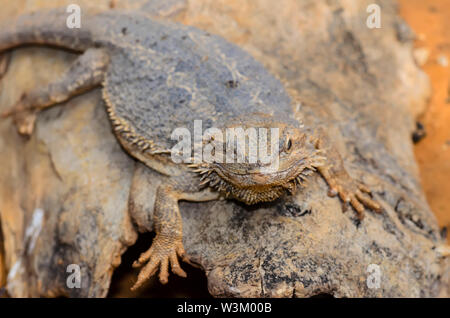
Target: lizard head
{"points": [[277, 157]]}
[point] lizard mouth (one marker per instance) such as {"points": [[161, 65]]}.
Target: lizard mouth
{"points": [[252, 187]]}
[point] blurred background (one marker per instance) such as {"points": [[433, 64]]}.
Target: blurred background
{"points": [[430, 20]]}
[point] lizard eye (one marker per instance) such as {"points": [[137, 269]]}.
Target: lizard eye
{"points": [[288, 145]]}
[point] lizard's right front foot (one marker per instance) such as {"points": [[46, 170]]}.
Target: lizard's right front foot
{"points": [[163, 251]]}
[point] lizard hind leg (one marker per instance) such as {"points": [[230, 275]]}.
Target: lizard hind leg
{"points": [[85, 73], [167, 245]]}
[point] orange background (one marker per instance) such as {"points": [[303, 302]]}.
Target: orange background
{"points": [[430, 20]]}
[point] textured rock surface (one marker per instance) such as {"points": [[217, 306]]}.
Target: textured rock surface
{"points": [[70, 194]]}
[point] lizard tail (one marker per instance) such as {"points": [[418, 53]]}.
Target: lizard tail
{"points": [[47, 28]]}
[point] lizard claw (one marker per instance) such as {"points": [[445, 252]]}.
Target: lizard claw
{"points": [[24, 117], [356, 194], [25, 122], [162, 253]]}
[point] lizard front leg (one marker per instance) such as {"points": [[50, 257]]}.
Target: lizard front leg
{"points": [[340, 182], [167, 245], [85, 73]]}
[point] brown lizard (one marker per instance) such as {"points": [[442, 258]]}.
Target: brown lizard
{"points": [[157, 76]]}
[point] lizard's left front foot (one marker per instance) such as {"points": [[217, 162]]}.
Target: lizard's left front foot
{"points": [[163, 251], [351, 191]]}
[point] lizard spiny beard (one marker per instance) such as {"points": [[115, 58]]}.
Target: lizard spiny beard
{"points": [[263, 193]]}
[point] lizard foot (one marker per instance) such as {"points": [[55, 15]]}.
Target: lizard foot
{"points": [[24, 122], [163, 251], [23, 118], [353, 192]]}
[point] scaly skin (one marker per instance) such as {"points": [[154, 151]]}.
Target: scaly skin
{"points": [[158, 76]]}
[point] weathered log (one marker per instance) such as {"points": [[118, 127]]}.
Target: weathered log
{"points": [[71, 195]]}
